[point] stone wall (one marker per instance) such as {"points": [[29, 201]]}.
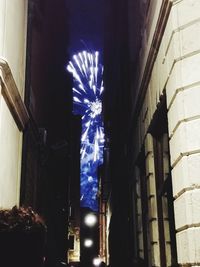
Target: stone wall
{"points": [[183, 93], [13, 24], [175, 73]]}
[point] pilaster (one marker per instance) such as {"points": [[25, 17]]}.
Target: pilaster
{"points": [[183, 94]]}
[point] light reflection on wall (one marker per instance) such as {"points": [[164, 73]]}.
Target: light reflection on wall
{"points": [[87, 101]]}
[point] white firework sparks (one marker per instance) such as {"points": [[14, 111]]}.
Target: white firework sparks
{"points": [[87, 97]]}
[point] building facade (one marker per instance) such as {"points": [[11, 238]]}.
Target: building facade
{"points": [[13, 114], [166, 122], [150, 207], [157, 155], [35, 115]]}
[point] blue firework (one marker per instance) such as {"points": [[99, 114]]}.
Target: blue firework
{"points": [[87, 99]]}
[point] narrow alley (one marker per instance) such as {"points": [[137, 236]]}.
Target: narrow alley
{"points": [[99, 132]]}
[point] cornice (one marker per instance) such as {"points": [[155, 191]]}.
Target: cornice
{"points": [[12, 96]]}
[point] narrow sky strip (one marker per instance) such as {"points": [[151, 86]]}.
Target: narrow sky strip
{"points": [[87, 73]]}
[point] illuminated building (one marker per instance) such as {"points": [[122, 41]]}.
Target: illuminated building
{"points": [[151, 124]]}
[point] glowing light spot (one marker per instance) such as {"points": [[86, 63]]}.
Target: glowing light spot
{"points": [[96, 261], [96, 108], [90, 219], [88, 243], [90, 179]]}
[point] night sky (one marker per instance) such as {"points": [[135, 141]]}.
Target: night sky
{"points": [[85, 25], [86, 33]]}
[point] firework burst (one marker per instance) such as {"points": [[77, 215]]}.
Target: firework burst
{"points": [[87, 102]]}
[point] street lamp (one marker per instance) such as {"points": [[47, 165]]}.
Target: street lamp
{"points": [[96, 261], [88, 243], [90, 220]]}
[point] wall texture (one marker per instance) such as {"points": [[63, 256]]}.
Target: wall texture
{"points": [[175, 73], [13, 21]]}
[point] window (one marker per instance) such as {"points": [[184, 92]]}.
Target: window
{"points": [[164, 195], [142, 212], [71, 242], [165, 211]]}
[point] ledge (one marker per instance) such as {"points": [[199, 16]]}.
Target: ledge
{"points": [[12, 97]]}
